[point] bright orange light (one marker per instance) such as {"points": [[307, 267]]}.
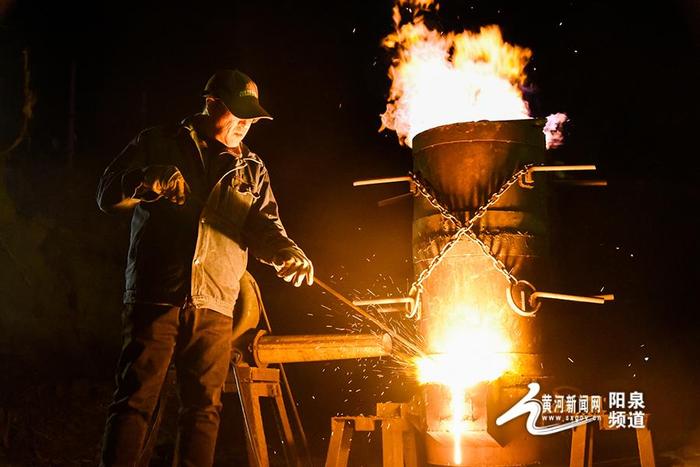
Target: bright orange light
{"points": [[457, 426], [472, 350], [472, 347], [440, 78]]}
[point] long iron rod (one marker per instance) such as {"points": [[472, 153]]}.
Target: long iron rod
{"points": [[382, 301], [561, 168], [410, 345], [378, 181], [572, 298]]}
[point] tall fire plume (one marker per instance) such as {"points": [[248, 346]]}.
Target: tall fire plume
{"points": [[440, 78]]}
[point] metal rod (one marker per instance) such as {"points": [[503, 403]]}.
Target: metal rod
{"points": [[582, 182], [608, 297], [320, 347], [394, 199], [382, 301], [571, 298], [527, 180], [379, 181], [408, 344], [561, 168], [393, 309]]}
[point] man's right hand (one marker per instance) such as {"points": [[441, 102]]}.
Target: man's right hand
{"points": [[165, 181]]}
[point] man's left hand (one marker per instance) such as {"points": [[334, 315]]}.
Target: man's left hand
{"points": [[293, 266]]}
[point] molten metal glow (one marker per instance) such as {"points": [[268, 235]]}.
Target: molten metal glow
{"points": [[472, 349], [457, 426], [440, 78]]}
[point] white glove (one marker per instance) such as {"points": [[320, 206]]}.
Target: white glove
{"points": [[293, 266]]}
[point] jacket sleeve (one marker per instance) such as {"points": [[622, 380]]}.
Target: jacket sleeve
{"points": [[117, 186], [264, 233]]}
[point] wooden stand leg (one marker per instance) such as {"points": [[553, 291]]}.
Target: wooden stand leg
{"points": [[582, 446], [251, 411], [252, 384], [339, 446], [411, 448], [287, 436], [646, 448], [399, 443], [392, 443]]}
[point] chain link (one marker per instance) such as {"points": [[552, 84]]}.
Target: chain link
{"points": [[427, 192]]}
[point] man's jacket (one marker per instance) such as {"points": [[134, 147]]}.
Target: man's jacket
{"points": [[199, 248]]}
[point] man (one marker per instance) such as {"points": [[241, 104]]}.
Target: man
{"points": [[201, 199]]}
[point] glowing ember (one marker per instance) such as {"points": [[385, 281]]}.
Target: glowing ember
{"points": [[441, 78]]}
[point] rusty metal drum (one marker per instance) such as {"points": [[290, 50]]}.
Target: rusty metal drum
{"points": [[465, 163]]}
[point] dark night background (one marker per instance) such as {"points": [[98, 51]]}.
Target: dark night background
{"points": [[625, 73]]}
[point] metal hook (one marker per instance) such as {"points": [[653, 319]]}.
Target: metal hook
{"points": [[525, 300], [519, 297]]}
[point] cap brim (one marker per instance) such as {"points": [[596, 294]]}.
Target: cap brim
{"points": [[247, 108]]}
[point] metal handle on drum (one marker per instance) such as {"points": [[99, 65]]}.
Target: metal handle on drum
{"points": [[379, 181], [528, 181], [404, 304], [596, 299], [525, 300], [393, 199]]}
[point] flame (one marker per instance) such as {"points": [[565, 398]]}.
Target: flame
{"points": [[440, 78]]}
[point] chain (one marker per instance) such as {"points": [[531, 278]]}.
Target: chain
{"points": [[464, 228]]}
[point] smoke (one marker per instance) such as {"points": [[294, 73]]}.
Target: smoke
{"points": [[553, 130]]}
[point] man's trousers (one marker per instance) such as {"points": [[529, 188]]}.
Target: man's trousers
{"points": [[198, 340]]}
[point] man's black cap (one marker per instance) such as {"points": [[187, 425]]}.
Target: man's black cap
{"points": [[238, 92]]}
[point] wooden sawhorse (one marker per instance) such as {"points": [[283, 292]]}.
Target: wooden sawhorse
{"points": [[398, 436], [582, 444], [252, 383]]}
